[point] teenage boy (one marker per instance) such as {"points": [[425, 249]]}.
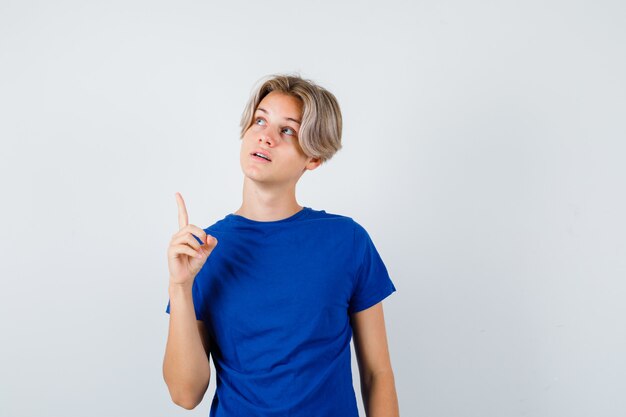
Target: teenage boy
{"points": [[278, 300]]}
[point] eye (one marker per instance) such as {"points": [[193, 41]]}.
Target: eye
{"points": [[293, 131]]}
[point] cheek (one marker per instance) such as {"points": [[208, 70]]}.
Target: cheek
{"points": [[248, 138], [298, 148]]}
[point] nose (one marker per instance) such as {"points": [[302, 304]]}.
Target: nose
{"points": [[269, 140]]}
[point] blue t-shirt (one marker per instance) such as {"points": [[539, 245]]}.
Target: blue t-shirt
{"points": [[276, 299]]}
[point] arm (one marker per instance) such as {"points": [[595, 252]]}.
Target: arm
{"points": [[186, 368], [377, 381]]}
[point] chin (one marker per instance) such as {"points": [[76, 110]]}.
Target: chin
{"points": [[251, 173]]}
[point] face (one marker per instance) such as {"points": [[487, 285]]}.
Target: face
{"points": [[274, 132]]}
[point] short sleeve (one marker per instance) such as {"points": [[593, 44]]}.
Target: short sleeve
{"points": [[372, 281], [197, 300]]}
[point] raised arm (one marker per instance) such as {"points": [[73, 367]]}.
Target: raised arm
{"points": [[186, 368]]}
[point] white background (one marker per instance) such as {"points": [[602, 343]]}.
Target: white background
{"points": [[483, 151]]}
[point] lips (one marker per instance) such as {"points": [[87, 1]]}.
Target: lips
{"points": [[265, 154]]}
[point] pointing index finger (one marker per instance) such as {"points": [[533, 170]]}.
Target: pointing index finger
{"points": [[183, 220]]}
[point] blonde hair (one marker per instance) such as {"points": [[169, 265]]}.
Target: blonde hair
{"points": [[319, 135]]}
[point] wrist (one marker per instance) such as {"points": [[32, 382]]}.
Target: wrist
{"points": [[176, 288]]}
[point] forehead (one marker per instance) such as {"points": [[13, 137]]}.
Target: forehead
{"points": [[282, 103]]}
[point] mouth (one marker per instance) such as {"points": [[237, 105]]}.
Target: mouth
{"points": [[260, 156]]}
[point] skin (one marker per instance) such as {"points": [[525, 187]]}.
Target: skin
{"points": [[378, 388], [269, 189], [268, 195], [186, 369]]}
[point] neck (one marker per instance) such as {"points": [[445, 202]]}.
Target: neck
{"points": [[265, 203]]}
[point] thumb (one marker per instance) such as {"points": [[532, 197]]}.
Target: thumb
{"points": [[211, 241]]}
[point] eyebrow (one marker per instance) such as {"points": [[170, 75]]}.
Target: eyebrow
{"points": [[286, 118]]}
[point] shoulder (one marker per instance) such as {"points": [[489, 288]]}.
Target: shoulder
{"points": [[347, 227], [217, 227], [340, 223], [336, 217]]}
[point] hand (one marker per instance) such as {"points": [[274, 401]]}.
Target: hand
{"points": [[185, 256]]}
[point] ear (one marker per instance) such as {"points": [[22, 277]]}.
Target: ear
{"points": [[313, 163]]}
